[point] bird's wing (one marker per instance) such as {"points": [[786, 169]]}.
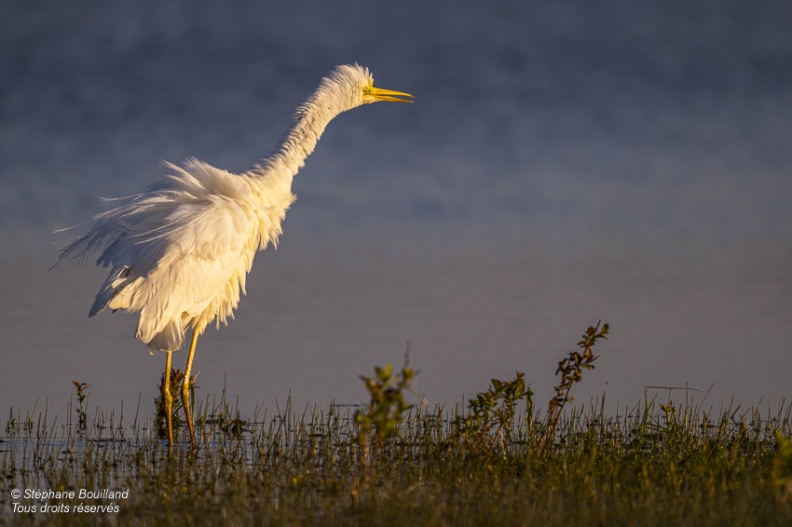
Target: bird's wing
{"points": [[174, 246], [198, 278]]}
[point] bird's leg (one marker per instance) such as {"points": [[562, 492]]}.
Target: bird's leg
{"points": [[186, 388], [167, 398]]}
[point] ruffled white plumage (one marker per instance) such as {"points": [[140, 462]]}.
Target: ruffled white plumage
{"points": [[180, 252]]}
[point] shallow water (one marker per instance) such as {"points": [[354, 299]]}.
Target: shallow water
{"points": [[561, 164]]}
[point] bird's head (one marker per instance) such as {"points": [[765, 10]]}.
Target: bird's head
{"points": [[353, 85]]}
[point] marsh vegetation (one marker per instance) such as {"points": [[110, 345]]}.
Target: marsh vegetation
{"points": [[500, 459]]}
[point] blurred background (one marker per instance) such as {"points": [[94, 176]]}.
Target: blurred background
{"points": [[562, 163]]}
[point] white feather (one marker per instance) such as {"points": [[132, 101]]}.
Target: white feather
{"points": [[180, 252]]}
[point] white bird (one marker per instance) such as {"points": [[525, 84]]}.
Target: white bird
{"points": [[179, 252]]}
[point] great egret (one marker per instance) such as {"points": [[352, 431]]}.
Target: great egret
{"points": [[179, 252]]}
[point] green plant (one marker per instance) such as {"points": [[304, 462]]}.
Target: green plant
{"points": [[490, 415], [82, 416], [571, 370], [386, 409], [782, 465]]}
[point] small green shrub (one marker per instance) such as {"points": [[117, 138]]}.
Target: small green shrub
{"points": [[387, 406], [82, 416], [571, 370], [490, 415]]}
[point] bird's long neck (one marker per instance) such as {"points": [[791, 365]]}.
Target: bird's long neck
{"points": [[299, 142]]}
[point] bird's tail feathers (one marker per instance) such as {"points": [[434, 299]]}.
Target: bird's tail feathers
{"points": [[170, 338]]}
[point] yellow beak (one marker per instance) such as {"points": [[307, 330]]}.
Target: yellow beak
{"points": [[381, 94]]}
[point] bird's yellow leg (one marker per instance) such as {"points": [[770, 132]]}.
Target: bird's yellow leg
{"points": [[167, 398], [186, 388]]}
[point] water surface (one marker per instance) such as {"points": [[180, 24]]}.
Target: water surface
{"points": [[561, 164]]}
